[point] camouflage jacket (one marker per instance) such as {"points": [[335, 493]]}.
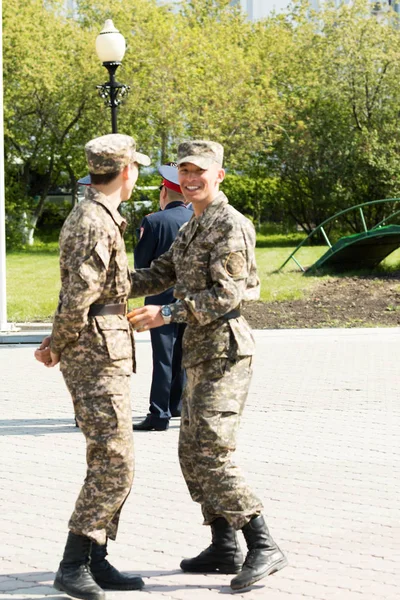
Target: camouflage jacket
{"points": [[212, 267], [94, 269]]}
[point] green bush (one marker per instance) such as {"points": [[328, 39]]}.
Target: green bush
{"points": [[49, 225], [255, 197], [17, 205]]}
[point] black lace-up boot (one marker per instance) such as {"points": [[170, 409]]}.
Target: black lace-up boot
{"points": [[107, 576], [263, 558], [73, 576], [223, 556]]}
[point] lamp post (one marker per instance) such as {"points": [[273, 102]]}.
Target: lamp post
{"points": [[110, 48], [4, 325]]}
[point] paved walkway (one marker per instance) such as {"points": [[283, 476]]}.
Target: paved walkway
{"points": [[319, 442]]}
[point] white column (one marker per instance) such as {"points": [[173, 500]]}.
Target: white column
{"points": [[4, 326]]}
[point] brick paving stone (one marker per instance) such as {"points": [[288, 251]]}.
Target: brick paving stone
{"points": [[318, 442]]}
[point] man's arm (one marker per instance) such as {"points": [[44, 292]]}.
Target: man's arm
{"points": [[203, 307], [158, 277], [234, 276], [233, 273]]}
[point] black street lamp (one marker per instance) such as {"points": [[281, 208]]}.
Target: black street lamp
{"points": [[110, 48]]}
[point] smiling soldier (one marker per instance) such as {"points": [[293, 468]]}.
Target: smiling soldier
{"points": [[212, 267]]}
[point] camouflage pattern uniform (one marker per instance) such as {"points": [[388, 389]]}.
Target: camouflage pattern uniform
{"points": [[212, 267], [97, 352]]}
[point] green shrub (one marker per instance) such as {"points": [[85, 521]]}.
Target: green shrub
{"points": [[17, 205], [255, 197], [49, 224]]}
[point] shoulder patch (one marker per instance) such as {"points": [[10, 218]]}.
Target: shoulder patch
{"points": [[234, 264]]}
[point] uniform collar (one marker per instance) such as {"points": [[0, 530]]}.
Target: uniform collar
{"points": [[174, 204], [208, 216], [92, 194]]}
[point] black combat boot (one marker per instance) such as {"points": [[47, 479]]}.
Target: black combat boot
{"points": [[107, 576], [73, 576], [263, 558], [223, 556]]}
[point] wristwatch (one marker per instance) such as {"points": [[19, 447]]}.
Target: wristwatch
{"points": [[166, 314]]}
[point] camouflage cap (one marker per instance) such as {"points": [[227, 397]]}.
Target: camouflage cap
{"points": [[111, 153], [201, 153]]}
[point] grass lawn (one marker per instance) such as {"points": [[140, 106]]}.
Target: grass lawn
{"points": [[33, 284], [33, 277], [290, 283]]}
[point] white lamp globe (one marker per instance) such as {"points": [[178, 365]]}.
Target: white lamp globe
{"points": [[110, 43]]}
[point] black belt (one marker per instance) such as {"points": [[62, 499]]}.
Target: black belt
{"points": [[232, 314], [99, 310]]}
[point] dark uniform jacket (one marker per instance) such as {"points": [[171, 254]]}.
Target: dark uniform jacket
{"points": [[158, 231]]}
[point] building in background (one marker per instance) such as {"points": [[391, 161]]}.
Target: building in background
{"points": [[70, 7], [260, 9], [255, 9]]}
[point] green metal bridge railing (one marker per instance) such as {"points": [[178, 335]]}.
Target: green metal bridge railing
{"points": [[320, 227]]}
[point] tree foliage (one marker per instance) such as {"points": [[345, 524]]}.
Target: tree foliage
{"points": [[305, 104], [341, 142], [48, 69]]}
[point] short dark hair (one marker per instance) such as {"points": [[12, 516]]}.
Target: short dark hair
{"points": [[174, 196], [103, 178]]}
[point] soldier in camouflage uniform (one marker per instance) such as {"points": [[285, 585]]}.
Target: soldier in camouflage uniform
{"points": [[93, 341], [212, 267]]}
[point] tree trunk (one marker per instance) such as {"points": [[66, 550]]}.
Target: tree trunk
{"points": [[37, 213], [74, 183], [164, 146], [28, 233]]}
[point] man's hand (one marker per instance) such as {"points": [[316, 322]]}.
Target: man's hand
{"points": [[146, 318], [55, 359], [44, 355], [45, 343]]}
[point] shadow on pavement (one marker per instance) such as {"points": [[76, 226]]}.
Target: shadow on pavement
{"points": [[36, 426], [39, 584]]}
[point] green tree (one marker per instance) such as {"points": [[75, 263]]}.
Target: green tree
{"points": [[340, 89], [305, 104], [49, 112], [255, 197], [196, 73]]}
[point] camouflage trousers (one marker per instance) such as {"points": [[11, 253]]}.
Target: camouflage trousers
{"points": [[103, 412], [213, 402]]}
